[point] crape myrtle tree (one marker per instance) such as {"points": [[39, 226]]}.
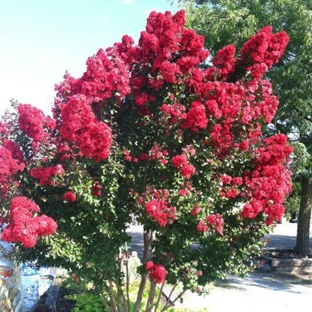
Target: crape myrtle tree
{"points": [[225, 22], [147, 132]]}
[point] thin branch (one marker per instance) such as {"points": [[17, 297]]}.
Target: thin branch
{"points": [[145, 174], [117, 285], [121, 297], [127, 277], [112, 296], [172, 290], [180, 295], [140, 293], [143, 277], [104, 302], [159, 296], [151, 296], [170, 304]]}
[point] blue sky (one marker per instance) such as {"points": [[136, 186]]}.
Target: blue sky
{"points": [[41, 39]]}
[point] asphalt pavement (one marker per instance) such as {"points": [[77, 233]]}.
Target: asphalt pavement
{"points": [[283, 236]]}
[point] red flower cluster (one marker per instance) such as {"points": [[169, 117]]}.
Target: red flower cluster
{"points": [[264, 48], [181, 162], [11, 162], [274, 150], [170, 72], [33, 122], [213, 221], [26, 226], [196, 210], [157, 272], [230, 186], [164, 38], [80, 126], [129, 157], [170, 50], [224, 61], [156, 153], [176, 111], [45, 175], [195, 118], [161, 212], [70, 196], [270, 182], [106, 77], [96, 189]]}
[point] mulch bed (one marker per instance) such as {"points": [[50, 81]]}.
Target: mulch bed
{"points": [[62, 304]]}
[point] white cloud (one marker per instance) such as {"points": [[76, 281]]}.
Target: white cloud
{"points": [[127, 1]]}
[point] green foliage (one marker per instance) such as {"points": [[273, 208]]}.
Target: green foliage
{"points": [[88, 300], [87, 303]]}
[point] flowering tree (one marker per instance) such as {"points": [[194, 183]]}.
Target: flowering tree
{"points": [[147, 132]]}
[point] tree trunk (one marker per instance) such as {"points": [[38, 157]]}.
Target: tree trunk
{"points": [[303, 230]]}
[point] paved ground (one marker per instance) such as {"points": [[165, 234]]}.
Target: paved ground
{"points": [[258, 291], [283, 236]]}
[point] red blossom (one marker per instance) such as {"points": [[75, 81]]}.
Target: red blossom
{"points": [[226, 179], [202, 227], [46, 225], [169, 71], [11, 162], [157, 272], [45, 175], [213, 221], [196, 210], [80, 126], [161, 212], [274, 150], [33, 122], [127, 156], [70, 196], [176, 111], [143, 156], [149, 265], [216, 222], [96, 189], [181, 162], [196, 118], [263, 49], [25, 225], [183, 192], [224, 61]]}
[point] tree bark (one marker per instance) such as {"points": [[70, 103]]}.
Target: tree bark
{"points": [[303, 230]]}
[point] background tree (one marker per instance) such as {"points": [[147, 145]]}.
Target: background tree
{"points": [[225, 21]]}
